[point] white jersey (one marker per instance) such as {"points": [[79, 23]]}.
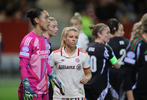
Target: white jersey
{"points": [[70, 70], [82, 41]]}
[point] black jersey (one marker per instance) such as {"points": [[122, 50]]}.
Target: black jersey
{"points": [[136, 66], [101, 58], [119, 45]]}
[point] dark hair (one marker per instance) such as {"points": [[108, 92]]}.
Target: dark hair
{"points": [[113, 24], [33, 14], [97, 28]]}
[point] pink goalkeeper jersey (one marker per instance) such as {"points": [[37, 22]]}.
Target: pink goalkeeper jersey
{"points": [[35, 50]]}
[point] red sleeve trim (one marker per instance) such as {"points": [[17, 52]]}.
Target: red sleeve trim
{"points": [[87, 68]]}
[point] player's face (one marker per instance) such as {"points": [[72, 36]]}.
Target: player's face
{"points": [[71, 39], [105, 36], [44, 21], [75, 23], [120, 30], [52, 30]]}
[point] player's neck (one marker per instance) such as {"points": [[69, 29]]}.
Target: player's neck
{"points": [[46, 35], [38, 31], [144, 36], [69, 51], [99, 41]]}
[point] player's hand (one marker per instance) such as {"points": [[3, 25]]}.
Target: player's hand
{"points": [[28, 92], [83, 80], [57, 83]]}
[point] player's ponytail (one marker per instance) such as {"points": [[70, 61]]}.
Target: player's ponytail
{"points": [[33, 14]]}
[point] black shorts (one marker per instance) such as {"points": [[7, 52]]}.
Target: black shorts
{"points": [[93, 94]]}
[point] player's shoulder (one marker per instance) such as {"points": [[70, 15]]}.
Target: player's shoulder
{"points": [[27, 39], [108, 47], [82, 51], [57, 51]]}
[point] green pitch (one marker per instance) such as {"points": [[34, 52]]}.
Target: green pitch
{"points": [[9, 88]]}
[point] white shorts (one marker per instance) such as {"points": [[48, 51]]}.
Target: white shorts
{"points": [[69, 98]]}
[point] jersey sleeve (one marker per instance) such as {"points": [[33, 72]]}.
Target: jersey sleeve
{"points": [[52, 59], [129, 65], [26, 47], [25, 52], [87, 62], [109, 54]]}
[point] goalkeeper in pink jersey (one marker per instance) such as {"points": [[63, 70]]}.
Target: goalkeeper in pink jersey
{"points": [[34, 67]]}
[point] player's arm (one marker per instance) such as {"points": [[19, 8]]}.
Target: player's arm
{"points": [[130, 95], [25, 52], [115, 62], [87, 77], [57, 82], [112, 58], [52, 76], [87, 71]]}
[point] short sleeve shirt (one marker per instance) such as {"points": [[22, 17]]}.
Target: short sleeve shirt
{"points": [[69, 70]]}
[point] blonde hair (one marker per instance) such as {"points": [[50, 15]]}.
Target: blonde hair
{"points": [[64, 34], [52, 19], [139, 27], [78, 17]]}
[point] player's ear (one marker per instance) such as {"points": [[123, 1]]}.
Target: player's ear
{"points": [[98, 34], [36, 20]]}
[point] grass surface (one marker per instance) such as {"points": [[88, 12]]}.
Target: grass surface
{"points": [[9, 88]]}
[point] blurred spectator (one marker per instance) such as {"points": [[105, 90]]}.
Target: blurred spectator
{"points": [[125, 11], [15, 9], [105, 9], [140, 7]]}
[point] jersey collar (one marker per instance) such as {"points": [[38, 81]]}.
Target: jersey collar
{"points": [[74, 55]]}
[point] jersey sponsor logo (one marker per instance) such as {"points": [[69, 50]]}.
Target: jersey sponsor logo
{"points": [[62, 60], [129, 60], [66, 67], [78, 67], [145, 57], [25, 49], [77, 60], [43, 52], [27, 41], [121, 42], [24, 54], [91, 49], [131, 54]]}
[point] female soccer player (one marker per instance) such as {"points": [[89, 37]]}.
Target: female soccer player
{"points": [[101, 58], [119, 45], [72, 66], [136, 62], [76, 21], [34, 66], [52, 31]]}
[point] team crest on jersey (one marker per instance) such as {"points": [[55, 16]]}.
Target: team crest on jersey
{"points": [[78, 67], [77, 60]]}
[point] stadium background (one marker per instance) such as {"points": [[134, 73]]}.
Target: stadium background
{"points": [[15, 27]]}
